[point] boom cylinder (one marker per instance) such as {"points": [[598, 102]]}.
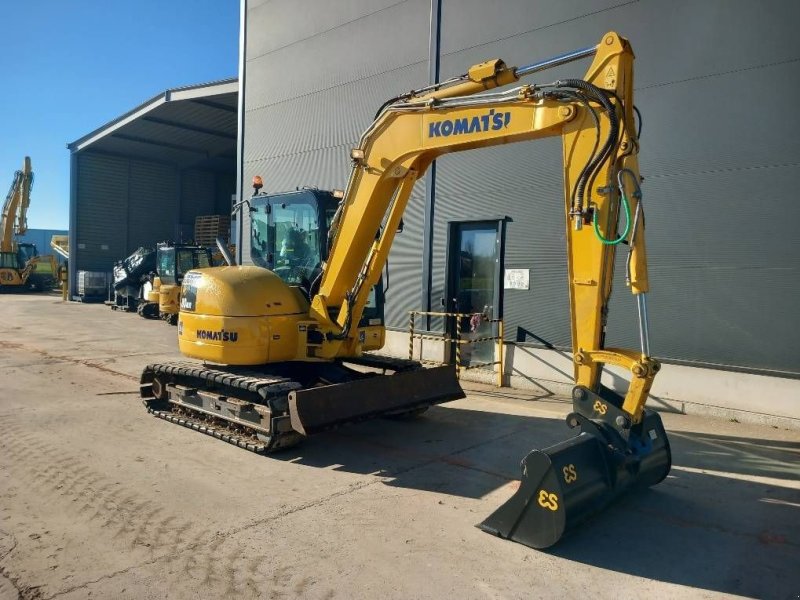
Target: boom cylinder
{"points": [[555, 61]]}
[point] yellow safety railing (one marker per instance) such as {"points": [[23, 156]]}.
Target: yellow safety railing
{"points": [[458, 340]]}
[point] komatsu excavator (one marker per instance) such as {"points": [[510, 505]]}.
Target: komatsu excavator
{"points": [[161, 296], [19, 262], [284, 342]]}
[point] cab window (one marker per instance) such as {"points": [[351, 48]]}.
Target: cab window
{"points": [[285, 238]]}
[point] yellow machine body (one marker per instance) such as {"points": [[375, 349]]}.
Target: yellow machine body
{"points": [[247, 315], [169, 299], [154, 293]]}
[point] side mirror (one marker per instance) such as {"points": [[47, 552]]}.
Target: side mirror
{"points": [[400, 226]]}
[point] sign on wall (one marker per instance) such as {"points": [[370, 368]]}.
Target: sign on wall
{"points": [[517, 279]]}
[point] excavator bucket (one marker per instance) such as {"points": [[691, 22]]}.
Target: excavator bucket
{"points": [[567, 483]]}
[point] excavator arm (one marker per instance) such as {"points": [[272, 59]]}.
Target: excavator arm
{"points": [[15, 208], [595, 119], [621, 444]]}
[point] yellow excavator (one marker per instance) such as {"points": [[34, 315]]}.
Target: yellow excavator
{"points": [[284, 343], [161, 296], [21, 266]]}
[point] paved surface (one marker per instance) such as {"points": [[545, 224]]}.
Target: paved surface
{"points": [[98, 499]]}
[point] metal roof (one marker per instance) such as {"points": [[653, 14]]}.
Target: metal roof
{"points": [[189, 126]]}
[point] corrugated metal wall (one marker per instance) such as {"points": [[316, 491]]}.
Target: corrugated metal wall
{"points": [[715, 81], [101, 234], [316, 73], [124, 203]]}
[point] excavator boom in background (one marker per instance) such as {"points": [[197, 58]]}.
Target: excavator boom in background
{"points": [[290, 336], [21, 266]]}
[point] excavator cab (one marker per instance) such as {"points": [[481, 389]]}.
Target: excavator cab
{"points": [[289, 233], [289, 236], [25, 252], [173, 262]]}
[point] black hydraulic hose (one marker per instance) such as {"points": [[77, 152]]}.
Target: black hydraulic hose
{"points": [[638, 114], [572, 95], [313, 287], [388, 103], [621, 106], [594, 93], [342, 335]]}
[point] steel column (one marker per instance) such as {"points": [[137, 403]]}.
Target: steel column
{"points": [[434, 55]]}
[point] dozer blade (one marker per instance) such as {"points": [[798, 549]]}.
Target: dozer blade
{"points": [[315, 409], [567, 483]]}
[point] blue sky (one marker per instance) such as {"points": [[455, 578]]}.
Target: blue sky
{"points": [[68, 67]]}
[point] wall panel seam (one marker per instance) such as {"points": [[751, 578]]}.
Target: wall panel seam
{"points": [[542, 28], [324, 31], [338, 85]]}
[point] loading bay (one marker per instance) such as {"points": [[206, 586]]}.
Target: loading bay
{"points": [[99, 499]]}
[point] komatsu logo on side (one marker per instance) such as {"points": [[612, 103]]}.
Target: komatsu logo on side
{"points": [[492, 121], [217, 336]]}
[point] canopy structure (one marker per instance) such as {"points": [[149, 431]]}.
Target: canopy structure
{"points": [[145, 176]]}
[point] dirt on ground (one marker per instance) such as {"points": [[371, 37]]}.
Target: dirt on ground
{"points": [[98, 499]]}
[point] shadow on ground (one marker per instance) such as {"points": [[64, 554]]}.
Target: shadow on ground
{"points": [[716, 531]]}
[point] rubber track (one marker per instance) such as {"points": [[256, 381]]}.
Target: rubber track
{"points": [[270, 391], [223, 433]]}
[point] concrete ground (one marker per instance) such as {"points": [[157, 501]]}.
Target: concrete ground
{"points": [[100, 500]]}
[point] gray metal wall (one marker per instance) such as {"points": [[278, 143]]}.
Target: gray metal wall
{"points": [[41, 238], [315, 73], [716, 82], [124, 203]]}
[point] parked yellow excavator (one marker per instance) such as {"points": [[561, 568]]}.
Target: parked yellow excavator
{"points": [[21, 266], [161, 297], [285, 342]]}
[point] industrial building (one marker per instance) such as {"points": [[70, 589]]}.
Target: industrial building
{"points": [[144, 177], [719, 152]]}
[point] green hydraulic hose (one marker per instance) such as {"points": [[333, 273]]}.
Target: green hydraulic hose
{"points": [[627, 225]]}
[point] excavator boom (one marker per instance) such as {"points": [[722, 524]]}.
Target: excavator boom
{"points": [[21, 266]]}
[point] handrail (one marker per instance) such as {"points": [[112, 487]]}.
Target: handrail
{"points": [[413, 334]]}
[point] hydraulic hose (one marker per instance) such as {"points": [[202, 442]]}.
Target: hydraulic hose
{"points": [[604, 240], [594, 93]]}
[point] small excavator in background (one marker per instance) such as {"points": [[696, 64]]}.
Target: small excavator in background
{"points": [[162, 294], [21, 266], [284, 343], [148, 281]]}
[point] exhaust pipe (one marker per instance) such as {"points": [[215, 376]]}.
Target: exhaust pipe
{"points": [[226, 254], [567, 483]]}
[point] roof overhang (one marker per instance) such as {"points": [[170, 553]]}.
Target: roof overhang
{"points": [[194, 126]]}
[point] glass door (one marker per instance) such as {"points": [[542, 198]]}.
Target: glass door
{"points": [[474, 287]]}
